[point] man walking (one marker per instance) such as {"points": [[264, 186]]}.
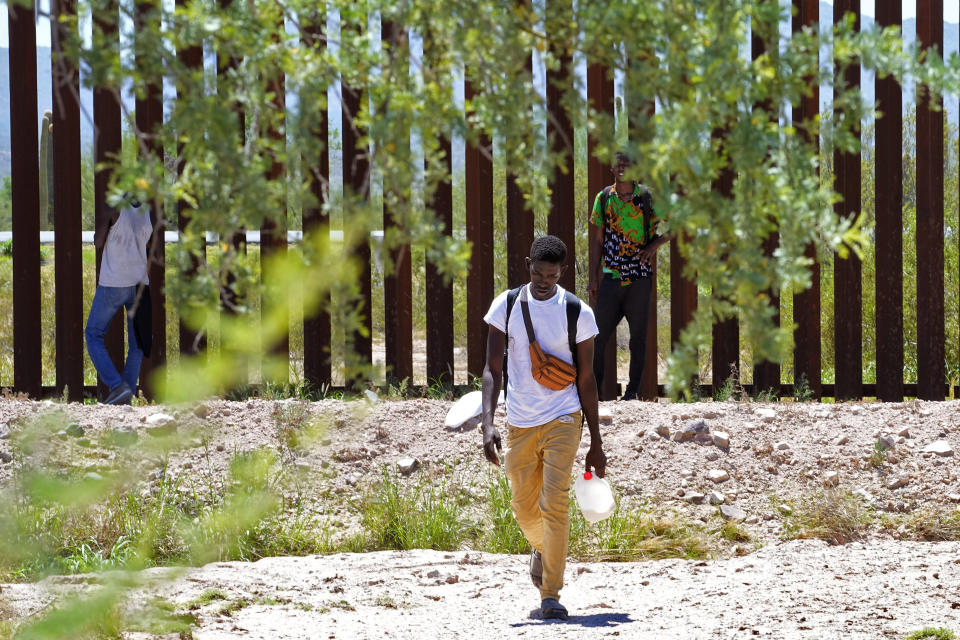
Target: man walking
{"points": [[550, 390], [623, 249], [123, 236]]}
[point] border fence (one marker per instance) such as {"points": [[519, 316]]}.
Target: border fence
{"points": [[479, 230]]}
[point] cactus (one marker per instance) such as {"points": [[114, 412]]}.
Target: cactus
{"points": [[46, 171]]}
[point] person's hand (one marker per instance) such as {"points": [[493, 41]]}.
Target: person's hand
{"points": [[648, 255], [596, 460], [592, 287], [491, 444]]}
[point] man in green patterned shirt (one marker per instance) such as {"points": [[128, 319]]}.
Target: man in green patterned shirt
{"points": [[624, 246]]}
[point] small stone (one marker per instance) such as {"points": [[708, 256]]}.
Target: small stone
{"points": [[716, 497], [220, 447], [74, 429], [831, 478], [351, 480], [785, 509], [782, 446], [694, 497], [721, 439], [201, 411], [687, 473], [691, 430], [710, 415], [4, 431], [940, 448], [605, 415], [433, 574], [663, 430], [842, 440], [765, 414], [159, 419], [713, 455], [752, 520], [904, 433], [732, 512], [5, 457], [93, 476], [407, 465], [889, 442], [718, 475], [896, 482], [772, 468]]}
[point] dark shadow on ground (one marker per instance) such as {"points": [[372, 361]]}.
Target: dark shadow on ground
{"points": [[592, 621]]}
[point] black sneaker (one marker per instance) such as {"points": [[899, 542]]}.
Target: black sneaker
{"points": [[120, 395], [630, 394]]}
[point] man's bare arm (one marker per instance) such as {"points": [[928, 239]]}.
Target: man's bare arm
{"points": [[492, 379], [587, 386]]}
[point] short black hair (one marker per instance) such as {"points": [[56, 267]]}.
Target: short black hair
{"points": [[548, 249], [623, 156]]}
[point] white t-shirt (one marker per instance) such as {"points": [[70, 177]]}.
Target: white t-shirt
{"points": [[529, 403], [124, 262]]}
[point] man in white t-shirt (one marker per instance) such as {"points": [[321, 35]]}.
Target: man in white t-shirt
{"points": [[544, 424], [124, 236]]}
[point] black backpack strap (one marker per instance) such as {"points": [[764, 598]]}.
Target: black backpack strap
{"points": [[573, 317], [511, 299], [527, 322]]}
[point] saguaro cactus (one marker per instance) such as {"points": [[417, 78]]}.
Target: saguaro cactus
{"points": [[46, 171]]}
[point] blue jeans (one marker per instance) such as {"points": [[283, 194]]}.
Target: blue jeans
{"points": [[106, 302]]}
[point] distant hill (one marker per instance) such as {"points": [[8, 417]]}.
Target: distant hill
{"points": [[44, 89]]}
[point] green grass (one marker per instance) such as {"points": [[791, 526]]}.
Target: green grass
{"points": [[504, 535], [836, 516], [936, 633], [424, 514], [640, 533]]}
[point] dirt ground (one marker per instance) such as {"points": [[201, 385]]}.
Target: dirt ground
{"points": [[740, 454]]}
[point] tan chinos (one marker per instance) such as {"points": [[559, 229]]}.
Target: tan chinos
{"points": [[538, 463]]}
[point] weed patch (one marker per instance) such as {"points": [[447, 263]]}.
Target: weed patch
{"points": [[836, 516]]}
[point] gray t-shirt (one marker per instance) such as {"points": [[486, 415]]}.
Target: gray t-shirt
{"points": [[124, 262]]}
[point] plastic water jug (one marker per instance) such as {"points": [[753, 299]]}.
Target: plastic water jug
{"points": [[594, 497]]}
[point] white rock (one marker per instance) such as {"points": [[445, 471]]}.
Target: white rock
{"points": [[605, 415], [716, 497], [842, 440], [831, 478], [732, 512], [940, 447], [954, 497], [896, 482], [721, 439], [718, 475], [407, 465], [694, 497], [765, 414], [686, 473], [782, 446], [904, 433], [159, 419], [4, 431]]}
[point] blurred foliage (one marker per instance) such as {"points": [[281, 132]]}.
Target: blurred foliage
{"points": [[237, 158]]}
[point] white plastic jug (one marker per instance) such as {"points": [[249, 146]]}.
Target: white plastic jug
{"points": [[594, 497]]}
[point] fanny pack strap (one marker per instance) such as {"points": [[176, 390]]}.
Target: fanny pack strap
{"points": [[525, 307]]}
